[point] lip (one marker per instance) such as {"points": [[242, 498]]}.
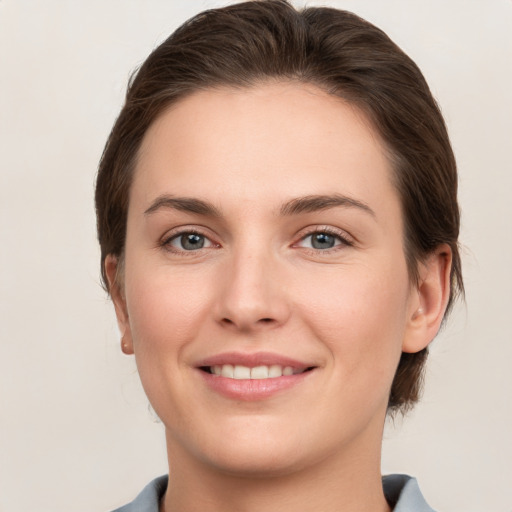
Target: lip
{"points": [[254, 359], [253, 389]]}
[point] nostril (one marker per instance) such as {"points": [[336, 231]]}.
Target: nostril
{"points": [[247, 325]]}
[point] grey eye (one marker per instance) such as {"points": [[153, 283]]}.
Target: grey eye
{"points": [[190, 242], [323, 240]]}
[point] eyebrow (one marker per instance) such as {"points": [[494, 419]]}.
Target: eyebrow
{"points": [[314, 203], [184, 204], [296, 206]]}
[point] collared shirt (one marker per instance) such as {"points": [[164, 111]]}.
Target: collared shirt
{"points": [[401, 491]]}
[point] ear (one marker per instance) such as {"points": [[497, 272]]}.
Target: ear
{"points": [[428, 300], [112, 271]]}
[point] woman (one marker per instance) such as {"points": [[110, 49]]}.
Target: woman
{"points": [[278, 223]]}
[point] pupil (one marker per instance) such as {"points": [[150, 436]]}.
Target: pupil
{"points": [[322, 241], [192, 241]]}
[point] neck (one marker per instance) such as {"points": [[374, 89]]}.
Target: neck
{"points": [[335, 484]]}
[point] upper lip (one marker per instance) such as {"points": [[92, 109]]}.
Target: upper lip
{"points": [[253, 359]]}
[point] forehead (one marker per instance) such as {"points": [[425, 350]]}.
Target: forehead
{"points": [[270, 140]]}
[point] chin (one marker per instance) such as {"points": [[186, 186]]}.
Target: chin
{"points": [[255, 450], [257, 461]]}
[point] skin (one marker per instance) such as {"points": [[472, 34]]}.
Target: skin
{"points": [[258, 284]]}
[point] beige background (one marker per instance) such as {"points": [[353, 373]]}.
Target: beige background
{"points": [[75, 429]]}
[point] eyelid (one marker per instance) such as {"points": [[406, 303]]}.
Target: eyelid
{"points": [[345, 239], [343, 236], [173, 234]]}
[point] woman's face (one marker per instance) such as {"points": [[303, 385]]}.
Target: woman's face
{"points": [[266, 293]]}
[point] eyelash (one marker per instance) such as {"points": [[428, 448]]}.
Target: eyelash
{"points": [[166, 242], [344, 240]]}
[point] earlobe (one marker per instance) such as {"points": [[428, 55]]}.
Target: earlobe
{"points": [[118, 298], [429, 300], [126, 347]]}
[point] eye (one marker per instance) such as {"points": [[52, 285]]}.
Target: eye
{"points": [[188, 241], [323, 240]]}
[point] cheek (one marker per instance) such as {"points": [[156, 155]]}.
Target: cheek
{"points": [[360, 315], [166, 307], [167, 311]]}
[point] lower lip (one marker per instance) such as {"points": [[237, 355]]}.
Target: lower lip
{"points": [[252, 389]]}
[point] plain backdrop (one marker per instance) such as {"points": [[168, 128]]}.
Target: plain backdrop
{"points": [[76, 432]]}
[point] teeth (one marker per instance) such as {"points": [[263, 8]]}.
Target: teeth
{"points": [[275, 371], [227, 370], [258, 372], [242, 372]]}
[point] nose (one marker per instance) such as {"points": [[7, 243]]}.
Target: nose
{"points": [[253, 293]]}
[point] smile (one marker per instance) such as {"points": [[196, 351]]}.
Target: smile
{"points": [[256, 376], [240, 372]]}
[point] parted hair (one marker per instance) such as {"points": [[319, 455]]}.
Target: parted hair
{"points": [[259, 41]]}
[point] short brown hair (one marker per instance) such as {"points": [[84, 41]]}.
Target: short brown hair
{"points": [[252, 42]]}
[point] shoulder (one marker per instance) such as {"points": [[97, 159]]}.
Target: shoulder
{"points": [[149, 498], [403, 493]]}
